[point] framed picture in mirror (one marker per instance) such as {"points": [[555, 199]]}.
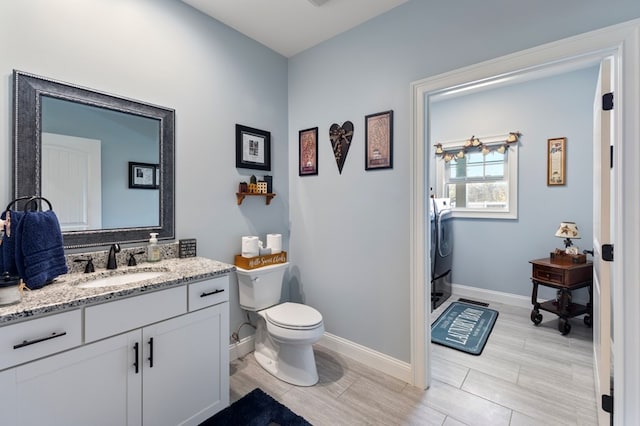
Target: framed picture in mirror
{"points": [[143, 176]]}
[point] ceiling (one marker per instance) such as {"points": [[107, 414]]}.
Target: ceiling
{"points": [[291, 26]]}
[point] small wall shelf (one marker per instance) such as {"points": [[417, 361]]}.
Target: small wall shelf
{"points": [[240, 196]]}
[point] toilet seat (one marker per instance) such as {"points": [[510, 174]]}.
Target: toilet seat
{"points": [[294, 316]]}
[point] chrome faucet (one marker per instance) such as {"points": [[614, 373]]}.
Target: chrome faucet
{"points": [[111, 261]]}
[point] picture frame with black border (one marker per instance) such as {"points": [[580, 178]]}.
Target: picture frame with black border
{"points": [[308, 152], [378, 137], [253, 148], [143, 175]]}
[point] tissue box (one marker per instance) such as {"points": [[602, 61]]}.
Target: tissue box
{"points": [[260, 261]]}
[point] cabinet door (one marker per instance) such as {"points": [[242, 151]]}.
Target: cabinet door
{"points": [[186, 367], [92, 385], [8, 398]]}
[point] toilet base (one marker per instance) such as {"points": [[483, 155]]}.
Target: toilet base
{"points": [[295, 375], [291, 363]]}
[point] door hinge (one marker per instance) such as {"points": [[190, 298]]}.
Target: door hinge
{"points": [[607, 101], [607, 252], [607, 403]]}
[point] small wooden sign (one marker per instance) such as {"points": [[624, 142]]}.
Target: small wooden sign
{"points": [[187, 248], [260, 261]]}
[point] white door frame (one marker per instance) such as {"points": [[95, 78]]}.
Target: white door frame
{"points": [[623, 42]]}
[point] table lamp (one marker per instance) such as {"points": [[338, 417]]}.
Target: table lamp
{"points": [[568, 231]]}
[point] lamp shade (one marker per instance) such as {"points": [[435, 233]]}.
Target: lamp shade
{"points": [[568, 230]]}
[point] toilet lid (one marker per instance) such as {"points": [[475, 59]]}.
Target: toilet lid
{"points": [[293, 315]]}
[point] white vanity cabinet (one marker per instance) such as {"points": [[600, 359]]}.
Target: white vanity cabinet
{"points": [[186, 376], [89, 385], [162, 359]]}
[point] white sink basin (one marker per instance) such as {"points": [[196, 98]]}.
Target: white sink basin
{"points": [[122, 279]]}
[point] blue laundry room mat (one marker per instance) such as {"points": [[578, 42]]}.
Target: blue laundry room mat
{"points": [[464, 327]]}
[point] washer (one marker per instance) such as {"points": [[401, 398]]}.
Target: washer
{"points": [[441, 250]]}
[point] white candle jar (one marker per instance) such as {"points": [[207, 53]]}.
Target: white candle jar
{"points": [[9, 289]]}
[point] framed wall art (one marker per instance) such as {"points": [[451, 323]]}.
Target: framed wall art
{"points": [[144, 175], [253, 148], [378, 139], [556, 161], [308, 152]]}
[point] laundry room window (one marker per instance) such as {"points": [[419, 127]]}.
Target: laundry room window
{"points": [[481, 185]]}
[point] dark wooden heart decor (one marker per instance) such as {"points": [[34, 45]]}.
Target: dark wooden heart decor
{"points": [[340, 137]]}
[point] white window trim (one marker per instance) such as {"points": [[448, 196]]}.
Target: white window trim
{"points": [[512, 172]]}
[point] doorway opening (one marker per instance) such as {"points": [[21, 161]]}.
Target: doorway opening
{"points": [[573, 54]]}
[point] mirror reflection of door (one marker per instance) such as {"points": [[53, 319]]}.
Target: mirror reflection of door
{"points": [[123, 137], [71, 180]]}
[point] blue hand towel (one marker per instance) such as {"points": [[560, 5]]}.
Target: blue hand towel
{"points": [[3, 216], [39, 248], [8, 248]]}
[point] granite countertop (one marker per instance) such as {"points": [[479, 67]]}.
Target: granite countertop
{"points": [[64, 293]]}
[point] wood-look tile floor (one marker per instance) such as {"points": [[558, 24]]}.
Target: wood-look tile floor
{"points": [[526, 375]]}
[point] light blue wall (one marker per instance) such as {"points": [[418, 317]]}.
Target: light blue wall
{"points": [[494, 254], [350, 233], [166, 53]]}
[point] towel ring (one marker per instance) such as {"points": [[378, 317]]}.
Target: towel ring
{"points": [[28, 197], [33, 200]]}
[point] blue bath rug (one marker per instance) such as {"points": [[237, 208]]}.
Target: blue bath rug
{"points": [[464, 327], [256, 409]]}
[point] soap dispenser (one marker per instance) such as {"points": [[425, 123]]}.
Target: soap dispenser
{"points": [[153, 249]]}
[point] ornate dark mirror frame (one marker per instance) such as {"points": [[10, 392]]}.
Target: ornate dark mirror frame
{"points": [[28, 92]]}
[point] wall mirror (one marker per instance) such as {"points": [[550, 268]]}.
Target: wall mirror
{"points": [[105, 163]]}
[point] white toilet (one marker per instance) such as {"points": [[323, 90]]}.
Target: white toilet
{"points": [[285, 332]]}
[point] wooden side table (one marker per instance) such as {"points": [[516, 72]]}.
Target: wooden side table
{"points": [[564, 277]]}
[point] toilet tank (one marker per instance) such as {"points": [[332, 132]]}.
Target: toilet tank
{"points": [[260, 288]]}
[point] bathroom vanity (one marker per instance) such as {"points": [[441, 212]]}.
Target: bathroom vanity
{"points": [[151, 352], [140, 345]]}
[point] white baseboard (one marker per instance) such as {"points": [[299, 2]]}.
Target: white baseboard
{"points": [[242, 348], [384, 363], [460, 290], [396, 368]]}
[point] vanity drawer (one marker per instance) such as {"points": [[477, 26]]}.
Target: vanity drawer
{"points": [[39, 337], [112, 318], [208, 293]]}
